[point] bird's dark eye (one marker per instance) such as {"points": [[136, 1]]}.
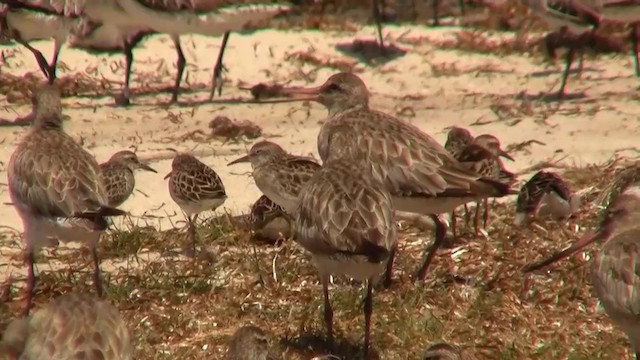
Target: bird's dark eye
{"points": [[333, 88]]}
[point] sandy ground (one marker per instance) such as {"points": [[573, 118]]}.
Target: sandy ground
{"points": [[430, 87]]}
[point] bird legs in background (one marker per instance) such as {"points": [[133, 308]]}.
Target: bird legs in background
{"points": [[216, 80], [634, 34], [377, 17], [49, 70], [180, 64]]}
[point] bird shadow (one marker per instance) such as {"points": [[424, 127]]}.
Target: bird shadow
{"points": [[370, 52], [551, 97], [316, 345], [549, 72]]}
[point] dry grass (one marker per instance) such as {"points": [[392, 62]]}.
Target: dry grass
{"points": [[187, 309]]}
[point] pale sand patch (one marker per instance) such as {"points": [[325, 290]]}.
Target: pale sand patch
{"points": [[588, 130]]}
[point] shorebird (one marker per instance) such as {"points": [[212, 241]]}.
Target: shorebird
{"points": [[118, 178], [620, 11], [55, 187], [263, 211], [546, 194], [279, 175], [482, 156], [263, 218], [420, 174], [109, 38], [195, 187], [26, 21], [444, 351], [457, 140], [570, 21], [345, 220], [207, 17], [621, 204], [248, 343], [71, 326]]}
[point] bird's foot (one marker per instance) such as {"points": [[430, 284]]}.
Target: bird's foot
{"points": [[122, 99]]}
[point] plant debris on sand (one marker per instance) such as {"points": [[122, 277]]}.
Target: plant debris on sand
{"points": [[187, 309]]}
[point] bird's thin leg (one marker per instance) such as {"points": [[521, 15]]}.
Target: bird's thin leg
{"points": [[368, 310], [53, 66], [440, 232], [462, 7], [123, 99], [31, 282], [637, 355], [581, 64], [565, 75], [216, 80], [97, 281], [42, 62], [389, 271], [328, 311], [378, 21], [454, 223], [476, 219], [192, 232], [180, 63], [485, 217], [467, 216], [634, 46], [435, 9]]}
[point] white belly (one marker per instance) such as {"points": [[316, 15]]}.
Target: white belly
{"points": [[191, 208], [553, 206], [358, 270], [106, 37], [427, 206], [38, 26]]}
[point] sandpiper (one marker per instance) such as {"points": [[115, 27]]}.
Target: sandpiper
{"points": [[248, 343], [71, 326], [268, 221], [195, 187], [444, 351], [620, 11], [457, 140], [482, 156], [55, 187], [621, 204], [279, 175], [263, 211], [419, 173], [571, 21], [546, 194], [118, 178], [208, 17], [40, 20], [345, 220]]}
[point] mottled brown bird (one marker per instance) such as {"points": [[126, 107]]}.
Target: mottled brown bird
{"points": [[444, 351], [421, 176], [195, 187], [546, 194], [118, 175], [248, 343], [71, 326], [56, 188]]}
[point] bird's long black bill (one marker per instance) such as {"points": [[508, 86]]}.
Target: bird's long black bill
{"points": [[586, 240]]}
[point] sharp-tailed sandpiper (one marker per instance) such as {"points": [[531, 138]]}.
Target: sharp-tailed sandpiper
{"points": [[55, 187], [71, 326], [279, 175], [482, 156], [195, 187], [546, 194], [621, 204], [118, 177], [248, 343]]}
